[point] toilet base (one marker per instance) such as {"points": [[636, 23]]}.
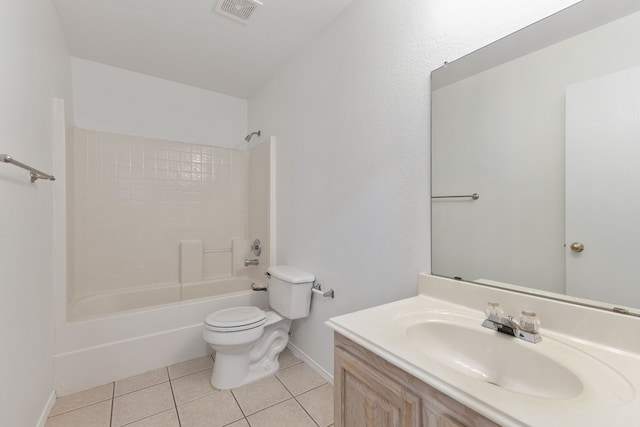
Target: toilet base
{"points": [[235, 370]]}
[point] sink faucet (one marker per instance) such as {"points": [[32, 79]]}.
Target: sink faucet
{"points": [[526, 329], [248, 262]]}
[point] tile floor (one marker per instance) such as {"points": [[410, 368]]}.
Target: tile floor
{"points": [[182, 396]]}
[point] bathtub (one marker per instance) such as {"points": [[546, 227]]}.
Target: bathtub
{"points": [[118, 302], [100, 346]]}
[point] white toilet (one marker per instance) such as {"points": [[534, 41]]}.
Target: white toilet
{"points": [[248, 340]]}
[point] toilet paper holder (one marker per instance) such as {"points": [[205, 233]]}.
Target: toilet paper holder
{"points": [[317, 289]]}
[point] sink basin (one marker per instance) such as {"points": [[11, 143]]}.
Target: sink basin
{"points": [[494, 358]]}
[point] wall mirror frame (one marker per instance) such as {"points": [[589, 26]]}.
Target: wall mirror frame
{"points": [[502, 126]]}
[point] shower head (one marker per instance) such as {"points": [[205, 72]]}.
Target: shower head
{"points": [[248, 137]]}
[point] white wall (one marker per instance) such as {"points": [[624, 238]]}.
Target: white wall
{"points": [[351, 114], [34, 68], [110, 99]]}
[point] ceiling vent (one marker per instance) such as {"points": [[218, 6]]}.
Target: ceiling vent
{"points": [[238, 10]]}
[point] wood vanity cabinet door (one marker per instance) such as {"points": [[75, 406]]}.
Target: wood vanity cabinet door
{"points": [[445, 421], [366, 398], [371, 392]]}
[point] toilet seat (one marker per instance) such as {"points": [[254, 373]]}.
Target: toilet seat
{"points": [[236, 319]]}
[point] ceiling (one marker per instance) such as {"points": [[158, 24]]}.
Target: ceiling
{"points": [[186, 41]]}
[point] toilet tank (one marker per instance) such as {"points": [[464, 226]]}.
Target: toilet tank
{"points": [[290, 291]]}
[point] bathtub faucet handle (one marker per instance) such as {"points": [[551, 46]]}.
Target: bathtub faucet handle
{"points": [[258, 288]]}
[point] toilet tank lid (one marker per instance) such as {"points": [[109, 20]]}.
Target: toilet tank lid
{"points": [[290, 274]]}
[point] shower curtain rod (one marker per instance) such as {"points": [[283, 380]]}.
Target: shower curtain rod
{"points": [[35, 173]]}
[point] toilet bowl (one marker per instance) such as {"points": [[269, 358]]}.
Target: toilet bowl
{"points": [[248, 340]]}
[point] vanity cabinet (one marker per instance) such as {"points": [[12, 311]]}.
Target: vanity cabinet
{"points": [[371, 392]]}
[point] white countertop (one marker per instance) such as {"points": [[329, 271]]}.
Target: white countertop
{"points": [[379, 330]]}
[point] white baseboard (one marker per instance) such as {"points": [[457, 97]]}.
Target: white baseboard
{"points": [[47, 410], [319, 369]]}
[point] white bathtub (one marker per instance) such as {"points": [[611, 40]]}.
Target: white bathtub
{"points": [[117, 302], [100, 346]]}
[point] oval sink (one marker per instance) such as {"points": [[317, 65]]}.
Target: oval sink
{"points": [[494, 358]]}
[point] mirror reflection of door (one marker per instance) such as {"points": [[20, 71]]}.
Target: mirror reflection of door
{"points": [[603, 188]]}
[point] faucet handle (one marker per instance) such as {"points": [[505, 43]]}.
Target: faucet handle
{"points": [[529, 322], [493, 309]]}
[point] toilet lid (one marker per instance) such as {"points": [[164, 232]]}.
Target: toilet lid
{"points": [[235, 319]]}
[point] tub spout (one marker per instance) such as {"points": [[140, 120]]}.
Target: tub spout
{"points": [[248, 262]]}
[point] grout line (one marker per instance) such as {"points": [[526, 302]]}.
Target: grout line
{"points": [[149, 416], [300, 361], [299, 394], [283, 384], [233, 422], [191, 373], [175, 404], [113, 397], [79, 408], [305, 410], [314, 388], [238, 403], [140, 389], [84, 405], [268, 407]]}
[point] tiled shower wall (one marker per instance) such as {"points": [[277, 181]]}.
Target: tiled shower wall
{"points": [[132, 200]]}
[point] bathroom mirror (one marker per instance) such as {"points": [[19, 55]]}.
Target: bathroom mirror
{"points": [[544, 125]]}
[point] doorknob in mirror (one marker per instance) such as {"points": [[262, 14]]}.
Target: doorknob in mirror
{"points": [[577, 247]]}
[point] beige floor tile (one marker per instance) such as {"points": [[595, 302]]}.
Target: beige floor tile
{"points": [[215, 410], [141, 381], [288, 359], [96, 415], [163, 419], [142, 404], [259, 395], [319, 404], [286, 414], [300, 378], [241, 423], [81, 399], [190, 367], [192, 387]]}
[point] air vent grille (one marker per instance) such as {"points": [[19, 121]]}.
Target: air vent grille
{"points": [[239, 10]]}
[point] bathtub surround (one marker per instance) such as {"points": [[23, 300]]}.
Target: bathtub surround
{"points": [[191, 266], [133, 340], [134, 201], [110, 99]]}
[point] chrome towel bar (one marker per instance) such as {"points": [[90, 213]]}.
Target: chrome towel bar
{"points": [[34, 173], [474, 196]]}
